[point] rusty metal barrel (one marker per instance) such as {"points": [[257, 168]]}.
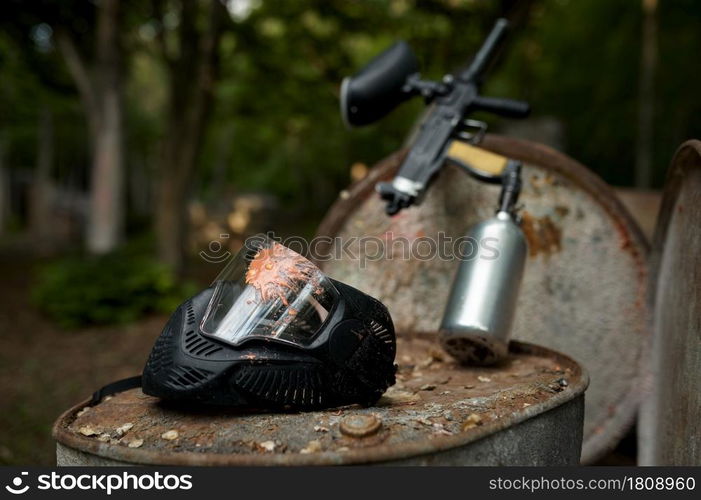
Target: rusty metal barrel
{"points": [[528, 411], [670, 421], [585, 282]]}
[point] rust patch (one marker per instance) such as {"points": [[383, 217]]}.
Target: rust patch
{"points": [[542, 234], [277, 270]]}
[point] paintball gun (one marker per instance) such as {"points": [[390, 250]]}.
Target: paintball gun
{"points": [[393, 77]]}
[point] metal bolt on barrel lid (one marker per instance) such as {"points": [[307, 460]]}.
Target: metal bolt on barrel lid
{"points": [[360, 425]]}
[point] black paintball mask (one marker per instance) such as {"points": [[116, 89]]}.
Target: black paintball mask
{"points": [[274, 332]]}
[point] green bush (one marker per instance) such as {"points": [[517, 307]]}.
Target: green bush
{"points": [[115, 288]]}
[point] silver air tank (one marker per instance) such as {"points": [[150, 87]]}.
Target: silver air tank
{"points": [[480, 311]]}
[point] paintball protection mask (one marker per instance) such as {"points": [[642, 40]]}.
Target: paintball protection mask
{"points": [[274, 332]]}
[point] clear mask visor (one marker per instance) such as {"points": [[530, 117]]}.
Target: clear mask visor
{"points": [[268, 291]]}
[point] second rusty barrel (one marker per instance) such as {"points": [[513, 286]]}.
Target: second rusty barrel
{"points": [[585, 280], [670, 423]]}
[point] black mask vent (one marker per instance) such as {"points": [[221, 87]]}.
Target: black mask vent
{"points": [[161, 356], [282, 385], [196, 345], [381, 333], [190, 313], [185, 377]]}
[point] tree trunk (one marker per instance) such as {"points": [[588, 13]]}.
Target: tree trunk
{"points": [[101, 94], [42, 190], [105, 221], [176, 169], [140, 181], [171, 219], [188, 109], [4, 187], [646, 96]]}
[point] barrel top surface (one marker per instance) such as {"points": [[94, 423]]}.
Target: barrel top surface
{"points": [[585, 283], [436, 405], [670, 420]]}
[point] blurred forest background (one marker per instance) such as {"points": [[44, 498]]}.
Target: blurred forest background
{"points": [[133, 134]]}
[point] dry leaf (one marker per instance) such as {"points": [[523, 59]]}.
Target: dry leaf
{"points": [[313, 446], [170, 435]]}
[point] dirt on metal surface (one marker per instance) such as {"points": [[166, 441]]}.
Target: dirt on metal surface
{"points": [[436, 405]]}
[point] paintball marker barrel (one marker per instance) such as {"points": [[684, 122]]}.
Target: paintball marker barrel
{"points": [[486, 52]]}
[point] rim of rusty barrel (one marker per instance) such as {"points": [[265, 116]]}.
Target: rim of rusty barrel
{"points": [[598, 444], [679, 167], [654, 430], [65, 437]]}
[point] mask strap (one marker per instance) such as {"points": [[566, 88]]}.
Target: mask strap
{"points": [[115, 387]]}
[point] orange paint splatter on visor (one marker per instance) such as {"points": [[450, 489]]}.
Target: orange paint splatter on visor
{"points": [[276, 271]]}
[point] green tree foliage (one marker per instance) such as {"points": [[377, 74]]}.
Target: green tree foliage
{"points": [[275, 125], [115, 288], [278, 100], [575, 61], [579, 62], [31, 79]]}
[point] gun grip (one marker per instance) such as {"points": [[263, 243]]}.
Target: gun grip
{"points": [[481, 163]]}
